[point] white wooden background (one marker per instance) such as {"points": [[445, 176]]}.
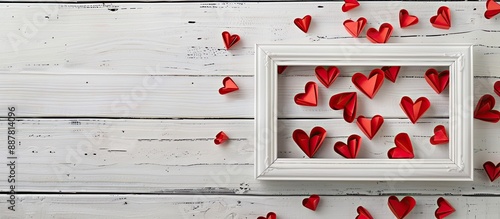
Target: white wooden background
{"points": [[120, 104]]}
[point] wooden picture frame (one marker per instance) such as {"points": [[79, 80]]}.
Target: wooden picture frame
{"points": [[459, 165]]}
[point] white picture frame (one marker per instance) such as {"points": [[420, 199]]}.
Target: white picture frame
{"points": [[459, 166]]}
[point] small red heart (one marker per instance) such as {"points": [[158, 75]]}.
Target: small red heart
{"points": [[484, 109], [228, 86], [492, 170], [391, 72], [402, 208], [438, 81], [492, 9], [381, 35], [309, 144], [496, 87], [363, 213], [440, 136], [403, 149], [349, 5], [230, 40], [370, 126], [327, 77], [311, 202], [303, 23], [443, 18], [369, 86], [220, 138], [310, 97], [414, 110], [281, 69], [444, 208], [347, 101], [270, 215], [406, 20], [349, 150], [355, 27]]}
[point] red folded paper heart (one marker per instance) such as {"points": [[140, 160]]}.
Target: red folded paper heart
{"points": [[402, 208], [228, 86], [327, 77], [381, 35], [310, 97], [406, 20], [363, 213], [444, 208], [484, 109], [349, 5], [349, 150], [281, 69], [311, 202], [391, 72], [220, 138], [370, 126], [230, 40], [492, 9], [403, 149], [303, 23], [443, 18], [270, 215], [309, 144], [355, 27], [440, 136], [496, 87], [438, 81], [347, 101], [369, 86], [414, 110], [492, 170]]}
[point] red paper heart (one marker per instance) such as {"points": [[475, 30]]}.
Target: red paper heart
{"points": [[349, 150], [311, 202], [406, 20], [492, 9], [270, 215], [230, 40], [363, 213], [228, 86], [281, 69], [370, 126], [496, 87], [369, 86], [347, 101], [391, 72], [443, 18], [327, 77], [309, 144], [444, 208], [414, 110], [438, 81], [492, 170], [355, 27], [310, 97], [402, 208], [440, 136], [220, 138], [349, 5], [303, 23], [484, 109], [403, 149], [381, 35]]}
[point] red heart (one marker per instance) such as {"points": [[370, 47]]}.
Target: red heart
{"points": [[311, 202], [270, 215], [443, 18], [310, 97], [229, 86], [414, 110], [327, 77], [347, 101], [349, 150], [349, 5], [496, 87], [440, 136], [381, 35], [363, 213], [484, 109], [403, 149], [406, 20], [492, 170], [281, 69], [391, 72], [230, 40], [444, 208], [309, 145], [402, 208], [369, 86], [438, 81], [492, 9], [355, 27], [220, 138], [303, 23], [370, 126]]}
